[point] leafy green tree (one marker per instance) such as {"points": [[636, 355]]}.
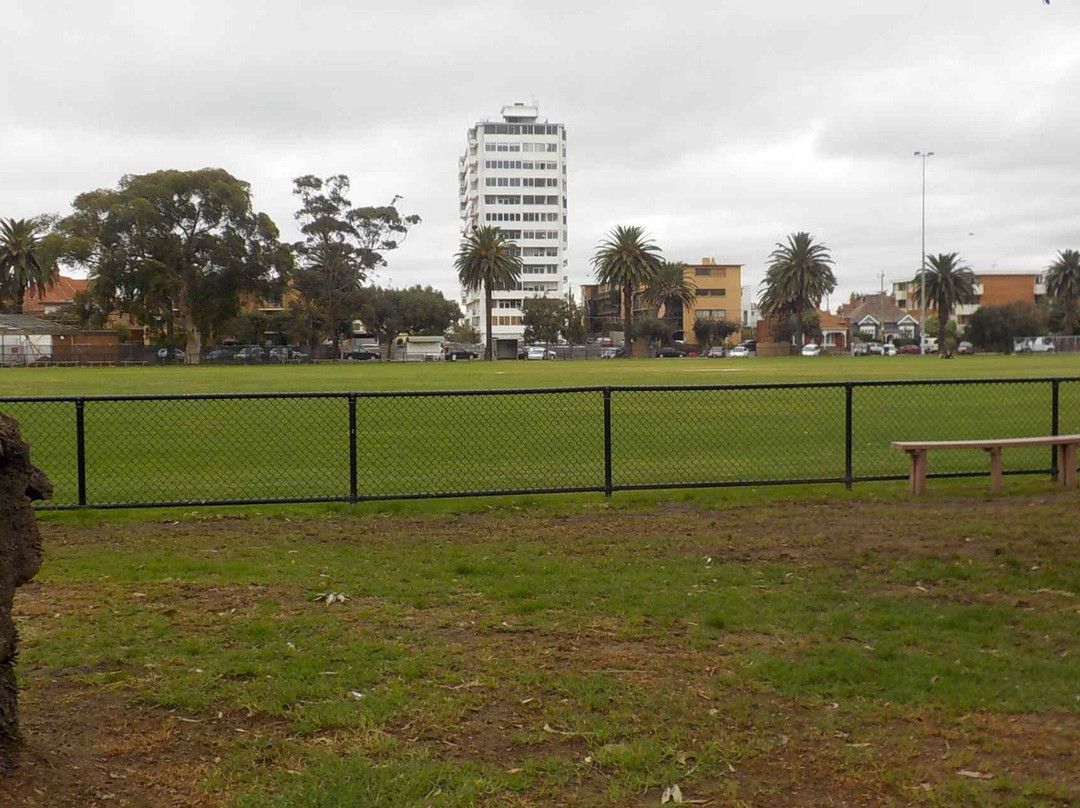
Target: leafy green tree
{"points": [[808, 325], [486, 260], [25, 263], [654, 330], [709, 332], [672, 292], [464, 332], [1063, 283], [418, 310], [544, 319], [342, 247], [995, 327], [798, 276], [627, 260], [949, 283], [175, 241], [574, 331]]}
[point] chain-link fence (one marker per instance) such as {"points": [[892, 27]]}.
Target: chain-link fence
{"points": [[135, 451]]}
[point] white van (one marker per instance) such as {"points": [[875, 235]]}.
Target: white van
{"points": [[1033, 345]]}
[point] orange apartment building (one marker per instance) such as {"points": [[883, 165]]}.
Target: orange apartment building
{"points": [[993, 289], [718, 297]]}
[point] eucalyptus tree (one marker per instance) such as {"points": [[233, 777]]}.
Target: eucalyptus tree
{"points": [[949, 283], [1063, 283], [798, 276], [487, 259], [627, 260], [25, 263], [342, 247], [175, 242]]}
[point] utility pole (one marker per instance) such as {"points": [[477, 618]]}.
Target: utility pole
{"points": [[922, 271]]}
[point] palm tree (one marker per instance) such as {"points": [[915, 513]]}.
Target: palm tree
{"points": [[487, 259], [627, 260], [798, 276], [1063, 282], [22, 262], [672, 291], [949, 283]]}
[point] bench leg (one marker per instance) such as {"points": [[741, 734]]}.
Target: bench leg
{"points": [[995, 468], [1067, 464], [917, 474]]}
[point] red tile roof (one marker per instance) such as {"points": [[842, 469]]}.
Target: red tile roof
{"points": [[62, 291]]}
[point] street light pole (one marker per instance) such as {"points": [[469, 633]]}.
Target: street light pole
{"points": [[922, 271]]}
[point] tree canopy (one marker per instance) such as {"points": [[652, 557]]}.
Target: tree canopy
{"points": [[487, 259], [341, 249], [175, 241], [995, 327], [1063, 283], [418, 310], [798, 276], [544, 318], [25, 262], [627, 259], [949, 283], [672, 292]]}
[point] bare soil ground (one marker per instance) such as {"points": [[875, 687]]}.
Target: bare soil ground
{"points": [[107, 747]]}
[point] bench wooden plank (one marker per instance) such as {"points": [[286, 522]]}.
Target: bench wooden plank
{"points": [[1046, 440], [1068, 449]]}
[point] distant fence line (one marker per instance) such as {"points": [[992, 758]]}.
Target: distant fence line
{"points": [[150, 450]]}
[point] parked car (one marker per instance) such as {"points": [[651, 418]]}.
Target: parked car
{"points": [[908, 349], [965, 347], [860, 349], [750, 345], [715, 352], [613, 353], [539, 352], [875, 348], [250, 355], [811, 349], [171, 355], [739, 352], [219, 355], [888, 349], [361, 354], [284, 353], [456, 354], [670, 352], [1033, 345]]}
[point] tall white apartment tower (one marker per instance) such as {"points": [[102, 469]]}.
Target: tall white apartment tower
{"points": [[513, 176]]}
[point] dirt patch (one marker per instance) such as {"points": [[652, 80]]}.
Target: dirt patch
{"points": [[104, 746]]}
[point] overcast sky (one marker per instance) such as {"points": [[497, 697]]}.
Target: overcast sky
{"points": [[719, 126]]}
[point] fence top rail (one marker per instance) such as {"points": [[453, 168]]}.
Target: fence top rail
{"points": [[358, 394]]}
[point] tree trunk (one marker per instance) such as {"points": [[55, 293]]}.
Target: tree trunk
{"points": [[942, 319], [628, 321], [489, 347], [194, 336], [799, 331], [1070, 317], [20, 296]]}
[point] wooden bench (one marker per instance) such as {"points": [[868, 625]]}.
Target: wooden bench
{"points": [[918, 449]]}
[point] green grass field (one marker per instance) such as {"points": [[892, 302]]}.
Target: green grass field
{"points": [[198, 450], [825, 650]]}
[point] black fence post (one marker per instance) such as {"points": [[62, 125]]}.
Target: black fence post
{"points": [[352, 449], [848, 429], [1055, 388], [80, 448], [607, 442]]}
